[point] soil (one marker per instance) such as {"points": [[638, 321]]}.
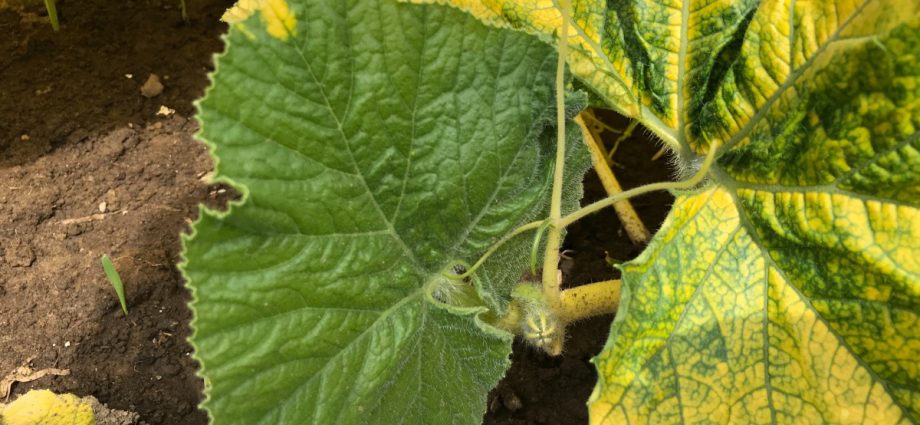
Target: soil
{"points": [[88, 167]]}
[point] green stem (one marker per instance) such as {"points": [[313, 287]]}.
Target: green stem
{"points": [[554, 235], [536, 247], [606, 202], [590, 209], [523, 228]]}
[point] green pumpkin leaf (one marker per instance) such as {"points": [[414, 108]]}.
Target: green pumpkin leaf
{"points": [[787, 290], [375, 145]]}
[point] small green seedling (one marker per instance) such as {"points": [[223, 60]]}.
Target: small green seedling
{"points": [[184, 11], [52, 14], [115, 280]]}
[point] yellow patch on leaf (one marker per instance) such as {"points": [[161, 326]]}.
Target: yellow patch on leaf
{"points": [[736, 337], [43, 407], [646, 58], [277, 17]]}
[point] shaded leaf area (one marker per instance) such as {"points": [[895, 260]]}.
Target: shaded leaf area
{"points": [[787, 289], [375, 144]]}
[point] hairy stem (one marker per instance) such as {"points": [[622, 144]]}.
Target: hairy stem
{"points": [[593, 299], [529, 226], [554, 232], [604, 203], [636, 230], [590, 209], [511, 321]]}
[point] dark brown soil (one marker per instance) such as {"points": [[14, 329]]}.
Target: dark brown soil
{"points": [[75, 133], [87, 167]]}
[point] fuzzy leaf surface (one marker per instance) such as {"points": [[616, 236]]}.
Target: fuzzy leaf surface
{"points": [[788, 289], [374, 144]]}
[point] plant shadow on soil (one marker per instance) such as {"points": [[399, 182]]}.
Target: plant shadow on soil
{"points": [[87, 167]]}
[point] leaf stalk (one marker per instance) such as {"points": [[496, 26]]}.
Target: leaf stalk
{"points": [[593, 299], [636, 230], [641, 190], [554, 232]]}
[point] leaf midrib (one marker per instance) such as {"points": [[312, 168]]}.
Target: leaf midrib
{"points": [[681, 70], [826, 189], [418, 81], [322, 90]]}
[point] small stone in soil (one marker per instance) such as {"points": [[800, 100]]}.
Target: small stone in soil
{"points": [[511, 401], [152, 87], [165, 111]]}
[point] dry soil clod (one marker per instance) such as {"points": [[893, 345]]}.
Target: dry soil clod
{"points": [[152, 87]]}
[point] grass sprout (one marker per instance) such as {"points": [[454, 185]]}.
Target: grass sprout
{"points": [[52, 14], [115, 280]]}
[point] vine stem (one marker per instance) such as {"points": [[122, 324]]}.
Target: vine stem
{"points": [[550, 279], [636, 230], [597, 206], [521, 229], [623, 136], [593, 299], [554, 232], [606, 202]]}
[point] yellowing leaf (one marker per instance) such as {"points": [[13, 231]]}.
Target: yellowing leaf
{"points": [[688, 69], [43, 407], [760, 326], [787, 290], [605, 67], [277, 17]]}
